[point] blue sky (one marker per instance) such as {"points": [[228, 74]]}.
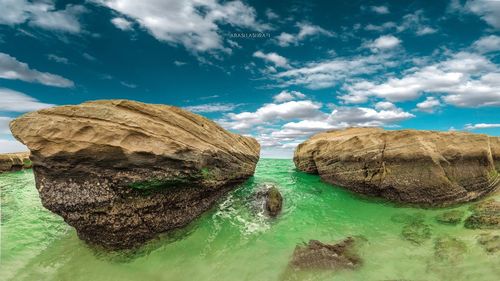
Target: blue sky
{"points": [[276, 70]]}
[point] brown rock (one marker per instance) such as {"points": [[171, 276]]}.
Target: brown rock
{"points": [[317, 255], [423, 167], [14, 161], [121, 171]]}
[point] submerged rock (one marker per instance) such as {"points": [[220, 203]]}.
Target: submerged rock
{"points": [[408, 218], [317, 255], [121, 172], [486, 215], [410, 166], [10, 162], [269, 198], [449, 249], [416, 232], [450, 217], [490, 242]]}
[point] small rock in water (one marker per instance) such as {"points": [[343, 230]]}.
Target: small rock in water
{"points": [[451, 217], [416, 232], [486, 216], [490, 242], [408, 218], [269, 197], [317, 255]]}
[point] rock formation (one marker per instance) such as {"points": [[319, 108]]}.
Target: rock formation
{"points": [[14, 161], [422, 167], [317, 255], [486, 215], [121, 172]]}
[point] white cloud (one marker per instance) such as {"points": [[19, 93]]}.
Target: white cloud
{"points": [[9, 146], [305, 30], [465, 79], [417, 23], [122, 23], [128, 85], [13, 101], [487, 44], [488, 10], [380, 9], [179, 63], [212, 107], [288, 96], [273, 112], [58, 59], [380, 28], [11, 68], [481, 126], [385, 42], [327, 73], [276, 59], [429, 105], [41, 14], [194, 24]]}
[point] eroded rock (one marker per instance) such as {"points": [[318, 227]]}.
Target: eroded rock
{"points": [[410, 166], [121, 172], [318, 255], [10, 162]]}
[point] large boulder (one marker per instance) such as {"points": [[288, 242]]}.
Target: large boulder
{"points": [[410, 166], [121, 172], [14, 161]]}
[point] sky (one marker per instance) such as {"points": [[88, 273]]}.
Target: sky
{"points": [[279, 71]]}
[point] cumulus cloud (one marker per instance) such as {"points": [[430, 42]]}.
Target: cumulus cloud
{"points": [[305, 30], [487, 44], [212, 107], [122, 23], [465, 79], [480, 126], [193, 24], [380, 9], [13, 101], [274, 58], [415, 22], [384, 42], [488, 10], [43, 14], [11, 68], [288, 96], [429, 105], [273, 112]]}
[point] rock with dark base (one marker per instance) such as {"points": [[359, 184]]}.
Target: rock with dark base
{"points": [[10, 162], [317, 255], [490, 242], [408, 166], [121, 172]]}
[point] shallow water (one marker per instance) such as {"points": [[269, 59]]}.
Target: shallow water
{"points": [[234, 242]]}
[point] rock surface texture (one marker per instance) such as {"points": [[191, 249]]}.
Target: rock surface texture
{"points": [[121, 172], [410, 166], [14, 161], [318, 255]]}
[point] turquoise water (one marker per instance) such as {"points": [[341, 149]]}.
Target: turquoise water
{"points": [[235, 242]]}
